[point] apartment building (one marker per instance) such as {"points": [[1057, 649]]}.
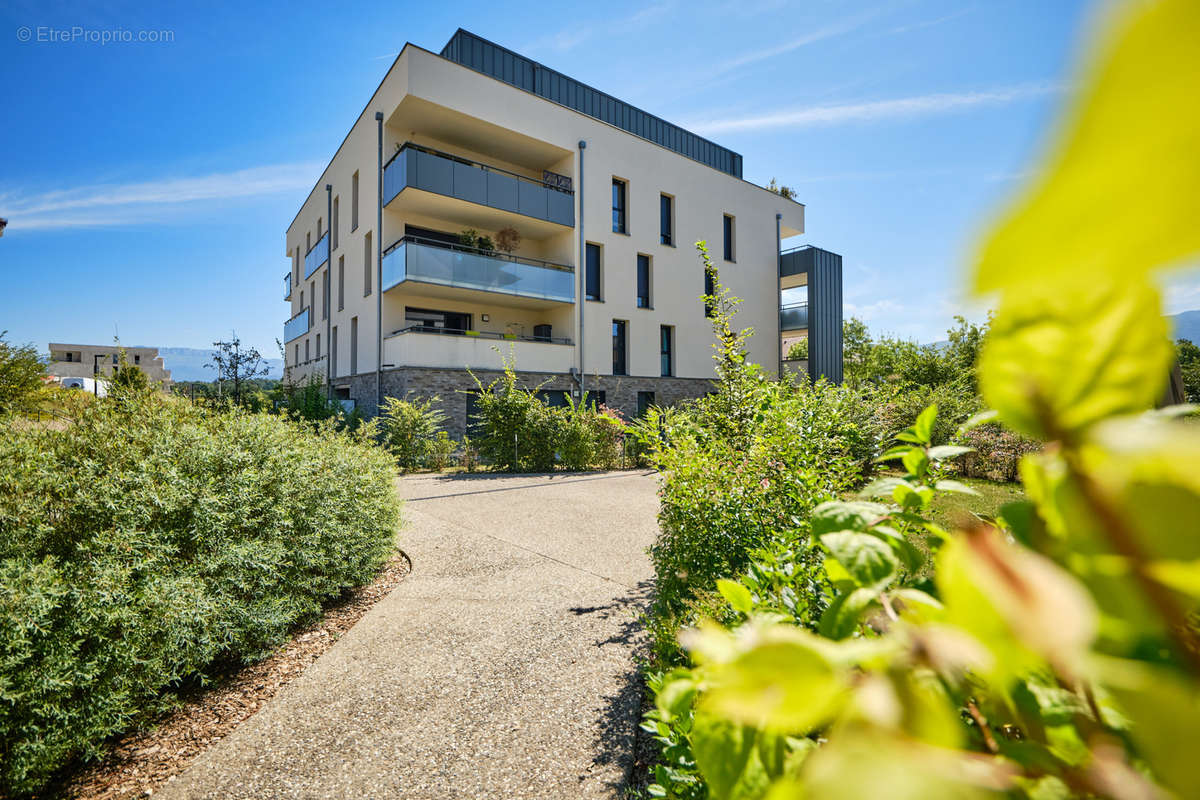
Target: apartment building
{"points": [[99, 360], [810, 284], [484, 207]]}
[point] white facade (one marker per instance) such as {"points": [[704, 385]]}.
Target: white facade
{"points": [[489, 126]]}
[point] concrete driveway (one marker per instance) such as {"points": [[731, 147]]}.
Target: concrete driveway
{"points": [[501, 667]]}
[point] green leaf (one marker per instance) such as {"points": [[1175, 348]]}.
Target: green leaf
{"points": [[837, 515], [726, 756], [1058, 360], [945, 451], [869, 560], [736, 595], [923, 427], [896, 452], [675, 697], [916, 462], [841, 618], [1119, 197], [982, 418], [881, 487], [784, 683]]}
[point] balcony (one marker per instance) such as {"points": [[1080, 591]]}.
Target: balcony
{"points": [[418, 167], [794, 317], [296, 327], [420, 346], [317, 256], [415, 259], [287, 286]]}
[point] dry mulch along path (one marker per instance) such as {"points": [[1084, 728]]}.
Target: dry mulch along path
{"points": [[140, 762]]}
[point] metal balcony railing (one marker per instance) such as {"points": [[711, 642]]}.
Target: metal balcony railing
{"points": [[287, 286], [793, 317], [511, 337], [414, 258], [296, 327], [317, 256], [446, 174]]}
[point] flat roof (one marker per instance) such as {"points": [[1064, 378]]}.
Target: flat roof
{"points": [[475, 52]]}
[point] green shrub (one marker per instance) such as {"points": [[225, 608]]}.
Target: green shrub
{"points": [[798, 350], [996, 452], [896, 409], [410, 430], [21, 373], [151, 538], [440, 451]]}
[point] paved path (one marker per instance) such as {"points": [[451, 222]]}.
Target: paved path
{"points": [[501, 667]]}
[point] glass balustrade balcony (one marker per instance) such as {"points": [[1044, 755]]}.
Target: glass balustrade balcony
{"points": [[296, 327], [794, 317], [426, 261], [287, 286], [317, 256], [446, 174]]}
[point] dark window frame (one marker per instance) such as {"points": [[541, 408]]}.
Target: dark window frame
{"points": [[620, 337], [593, 272], [729, 237], [645, 277], [620, 206], [666, 219], [666, 351]]}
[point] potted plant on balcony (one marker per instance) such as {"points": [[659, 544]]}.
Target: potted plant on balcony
{"points": [[471, 333], [508, 239]]}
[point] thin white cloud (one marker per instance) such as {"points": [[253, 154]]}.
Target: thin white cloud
{"points": [[764, 54], [928, 23], [875, 110], [105, 205]]}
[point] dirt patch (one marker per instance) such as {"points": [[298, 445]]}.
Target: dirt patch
{"points": [[137, 764]]}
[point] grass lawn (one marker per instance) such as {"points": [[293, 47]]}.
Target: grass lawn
{"points": [[950, 506]]}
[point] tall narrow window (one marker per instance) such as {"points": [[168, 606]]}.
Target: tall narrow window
{"points": [[307, 350], [593, 272], [319, 229], [666, 358], [618, 206], [296, 268], [354, 345], [643, 281], [333, 225], [354, 203], [318, 346], [619, 361], [307, 242], [666, 220], [325, 295], [710, 288], [729, 242], [367, 255], [341, 282], [296, 358], [333, 352], [301, 299], [312, 294]]}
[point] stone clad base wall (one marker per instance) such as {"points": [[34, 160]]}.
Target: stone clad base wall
{"points": [[451, 385]]}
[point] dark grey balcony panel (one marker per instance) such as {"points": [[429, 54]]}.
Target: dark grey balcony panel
{"points": [[560, 208], [470, 183], [434, 174], [532, 200], [502, 192]]}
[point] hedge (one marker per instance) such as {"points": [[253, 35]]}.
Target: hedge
{"points": [[150, 540]]}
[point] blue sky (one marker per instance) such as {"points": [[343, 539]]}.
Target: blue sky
{"points": [[148, 185]]}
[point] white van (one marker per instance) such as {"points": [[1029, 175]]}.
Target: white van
{"points": [[89, 385]]}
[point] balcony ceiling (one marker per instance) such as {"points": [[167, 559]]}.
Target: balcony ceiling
{"points": [[416, 116], [413, 202], [413, 292]]}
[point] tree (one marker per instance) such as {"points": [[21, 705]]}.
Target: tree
{"points": [[798, 350], [236, 364], [1188, 355], [21, 373], [128, 377], [856, 349]]}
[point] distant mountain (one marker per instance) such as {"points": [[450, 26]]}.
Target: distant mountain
{"points": [[1186, 325], [187, 364]]}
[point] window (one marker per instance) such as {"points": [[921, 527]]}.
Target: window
{"points": [[296, 358], [114, 359], [710, 288], [319, 228], [354, 345], [137, 359], [318, 345], [618, 334], [296, 269], [307, 351], [307, 242], [354, 203], [618, 206], [555, 398], [367, 264], [333, 226], [333, 352], [325, 295], [341, 282], [666, 335], [643, 281], [729, 238], [312, 292], [301, 299], [666, 219], [593, 271], [644, 400], [595, 399]]}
